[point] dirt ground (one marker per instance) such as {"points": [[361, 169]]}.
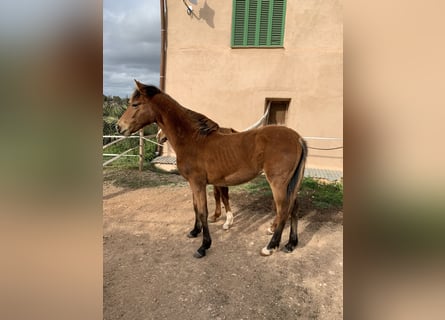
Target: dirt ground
{"points": [[150, 271]]}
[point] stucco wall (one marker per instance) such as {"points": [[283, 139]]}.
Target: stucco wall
{"points": [[230, 85]]}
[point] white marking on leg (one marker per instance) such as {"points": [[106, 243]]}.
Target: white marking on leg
{"points": [[229, 220], [266, 252]]}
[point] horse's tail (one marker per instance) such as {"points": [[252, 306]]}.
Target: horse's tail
{"points": [[297, 177]]}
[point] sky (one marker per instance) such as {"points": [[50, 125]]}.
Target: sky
{"points": [[131, 45]]}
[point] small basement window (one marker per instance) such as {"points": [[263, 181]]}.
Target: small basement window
{"points": [[278, 111]]}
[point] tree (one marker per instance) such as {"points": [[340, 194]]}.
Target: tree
{"points": [[111, 112]]}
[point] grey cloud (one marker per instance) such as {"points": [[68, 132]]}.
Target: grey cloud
{"points": [[131, 45]]}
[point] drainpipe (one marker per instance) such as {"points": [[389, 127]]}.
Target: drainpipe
{"points": [[163, 6]]}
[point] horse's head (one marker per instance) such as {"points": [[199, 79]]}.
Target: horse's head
{"points": [[140, 110]]}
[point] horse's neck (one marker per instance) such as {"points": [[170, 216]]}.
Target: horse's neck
{"points": [[172, 121]]}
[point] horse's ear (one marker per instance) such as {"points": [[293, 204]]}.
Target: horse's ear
{"points": [[149, 91], [139, 86]]}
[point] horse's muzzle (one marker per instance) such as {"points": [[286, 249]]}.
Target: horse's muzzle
{"points": [[123, 130]]}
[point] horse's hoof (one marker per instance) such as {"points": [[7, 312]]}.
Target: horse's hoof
{"points": [[199, 255], [213, 219], [192, 235], [266, 252], [270, 231], [288, 249]]}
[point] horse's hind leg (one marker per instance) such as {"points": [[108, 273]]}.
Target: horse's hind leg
{"points": [[229, 214], [293, 236], [282, 206], [217, 195]]}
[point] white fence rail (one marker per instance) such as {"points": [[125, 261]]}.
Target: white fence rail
{"points": [[116, 156], [141, 138]]}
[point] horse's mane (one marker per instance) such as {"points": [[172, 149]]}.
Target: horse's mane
{"points": [[201, 123]]}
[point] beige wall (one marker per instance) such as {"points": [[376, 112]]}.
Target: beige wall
{"points": [[230, 85]]}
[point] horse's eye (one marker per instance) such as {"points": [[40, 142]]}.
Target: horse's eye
{"points": [[134, 105]]}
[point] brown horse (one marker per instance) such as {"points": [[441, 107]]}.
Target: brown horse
{"points": [[218, 192], [206, 156]]}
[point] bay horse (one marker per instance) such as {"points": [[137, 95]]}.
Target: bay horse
{"points": [[206, 156], [218, 191]]}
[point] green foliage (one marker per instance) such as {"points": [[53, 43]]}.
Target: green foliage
{"points": [[257, 185], [322, 195], [112, 109]]}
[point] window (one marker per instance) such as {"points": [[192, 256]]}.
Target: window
{"points": [[258, 23], [277, 111]]}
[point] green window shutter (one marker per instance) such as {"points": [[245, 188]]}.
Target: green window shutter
{"points": [[251, 23], [258, 23], [239, 12], [277, 25], [264, 23]]}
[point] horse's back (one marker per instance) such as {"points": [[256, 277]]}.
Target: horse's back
{"points": [[279, 131], [278, 138], [255, 142]]}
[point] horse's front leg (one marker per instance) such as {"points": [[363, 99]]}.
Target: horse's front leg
{"points": [[200, 204], [197, 227]]}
